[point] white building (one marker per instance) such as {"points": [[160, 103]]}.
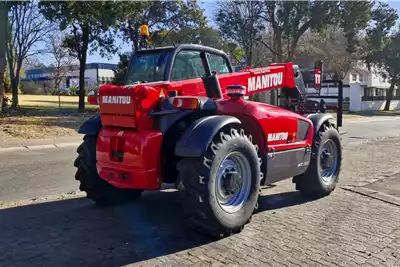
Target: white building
{"points": [[95, 74]]}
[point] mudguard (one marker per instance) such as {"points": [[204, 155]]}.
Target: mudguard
{"points": [[196, 139], [91, 126], [318, 119]]}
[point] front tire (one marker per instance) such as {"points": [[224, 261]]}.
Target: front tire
{"points": [[98, 190], [322, 175], [220, 190]]}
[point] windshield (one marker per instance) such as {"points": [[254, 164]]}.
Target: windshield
{"points": [[147, 66]]}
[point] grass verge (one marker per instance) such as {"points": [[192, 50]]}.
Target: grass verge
{"points": [[40, 117]]}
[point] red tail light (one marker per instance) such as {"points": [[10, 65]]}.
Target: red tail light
{"points": [[93, 99], [186, 102]]}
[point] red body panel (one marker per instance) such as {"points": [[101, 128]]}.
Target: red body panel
{"points": [[269, 120], [140, 164]]}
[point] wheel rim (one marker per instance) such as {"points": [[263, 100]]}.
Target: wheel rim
{"points": [[234, 182], [329, 160]]}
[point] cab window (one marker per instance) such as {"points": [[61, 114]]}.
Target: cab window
{"points": [[218, 64], [187, 65]]}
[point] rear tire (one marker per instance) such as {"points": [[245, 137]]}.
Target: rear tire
{"points": [[320, 180], [220, 201], [98, 190]]}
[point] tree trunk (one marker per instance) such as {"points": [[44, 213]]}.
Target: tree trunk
{"points": [[3, 39], [389, 95], [1, 90], [82, 68], [14, 88]]}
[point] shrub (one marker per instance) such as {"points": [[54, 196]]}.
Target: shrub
{"points": [[31, 88], [6, 102]]}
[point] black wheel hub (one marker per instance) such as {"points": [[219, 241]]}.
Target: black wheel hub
{"points": [[231, 181], [326, 159]]}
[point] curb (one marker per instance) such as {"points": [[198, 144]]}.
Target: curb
{"points": [[37, 147], [373, 194]]}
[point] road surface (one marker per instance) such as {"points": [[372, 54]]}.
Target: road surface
{"points": [[344, 229], [47, 172]]}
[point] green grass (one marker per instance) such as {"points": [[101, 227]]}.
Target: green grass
{"points": [[51, 103]]}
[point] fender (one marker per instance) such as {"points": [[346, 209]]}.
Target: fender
{"points": [[318, 119], [196, 139], [91, 126]]}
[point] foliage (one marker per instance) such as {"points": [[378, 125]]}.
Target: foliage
{"points": [[5, 103], [85, 23], [241, 22], [159, 16], [329, 46], [120, 71], [200, 35], [27, 30], [60, 58], [245, 22], [382, 46], [31, 88]]}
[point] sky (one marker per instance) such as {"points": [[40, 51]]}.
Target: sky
{"points": [[208, 9]]}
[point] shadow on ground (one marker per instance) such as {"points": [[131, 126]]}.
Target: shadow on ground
{"points": [[55, 102], [76, 233]]}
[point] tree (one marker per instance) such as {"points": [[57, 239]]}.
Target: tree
{"points": [[120, 71], [200, 35], [241, 22], [3, 38], [158, 15], [382, 46], [60, 60], [245, 21], [87, 25], [27, 30], [329, 46]]}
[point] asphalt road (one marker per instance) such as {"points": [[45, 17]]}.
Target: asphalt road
{"points": [[50, 172]]}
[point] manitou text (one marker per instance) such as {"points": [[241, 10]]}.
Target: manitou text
{"points": [[116, 99], [277, 136], [265, 81]]}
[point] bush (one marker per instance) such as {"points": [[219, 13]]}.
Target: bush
{"points": [[31, 88], [6, 102], [73, 89]]}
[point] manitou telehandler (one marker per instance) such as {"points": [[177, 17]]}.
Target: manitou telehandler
{"points": [[181, 118]]}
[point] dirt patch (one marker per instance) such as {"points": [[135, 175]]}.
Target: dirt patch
{"points": [[39, 127], [39, 117]]}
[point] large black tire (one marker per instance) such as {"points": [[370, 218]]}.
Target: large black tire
{"points": [[98, 190], [199, 184], [312, 182]]}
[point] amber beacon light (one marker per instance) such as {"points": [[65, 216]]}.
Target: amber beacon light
{"points": [[144, 30]]}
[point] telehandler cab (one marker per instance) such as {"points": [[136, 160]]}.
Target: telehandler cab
{"points": [[182, 119]]}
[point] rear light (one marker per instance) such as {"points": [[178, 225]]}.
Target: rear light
{"points": [[186, 103], [93, 98]]}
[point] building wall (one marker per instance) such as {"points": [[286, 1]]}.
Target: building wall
{"points": [[363, 76], [105, 75], [93, 74]]}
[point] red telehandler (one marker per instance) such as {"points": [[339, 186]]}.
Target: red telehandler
{"points": [[182, 119]]}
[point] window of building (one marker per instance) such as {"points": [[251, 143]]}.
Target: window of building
{"points": [[361, 78], [354, 77]]}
